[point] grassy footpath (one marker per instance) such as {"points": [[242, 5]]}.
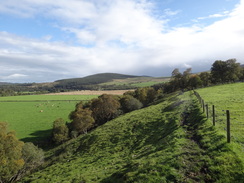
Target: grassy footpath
{"points": [[168, 142]]}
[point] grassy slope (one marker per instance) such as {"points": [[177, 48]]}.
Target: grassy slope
{"points": [[161, 143], [137, 81], [95, 79], [228, 97]]}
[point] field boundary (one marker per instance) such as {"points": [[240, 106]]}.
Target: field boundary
{"points": [[211, 111]]}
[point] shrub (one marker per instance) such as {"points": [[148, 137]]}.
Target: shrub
{"points": [[60, 132], [129, 103]]}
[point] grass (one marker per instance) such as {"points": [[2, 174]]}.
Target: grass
{"points": [[138, 81], [168, 142], [46, 97], [32, 116], [227, 97]]}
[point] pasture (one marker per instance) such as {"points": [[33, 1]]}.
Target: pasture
{"points": [[227, 97], [31, 116]]}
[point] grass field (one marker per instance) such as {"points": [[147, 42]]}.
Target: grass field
{"points": [[138, 81], [31, 116], [227, 97], [154, 144]]}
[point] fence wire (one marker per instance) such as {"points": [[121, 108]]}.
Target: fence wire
{"points": [[236, 119]]}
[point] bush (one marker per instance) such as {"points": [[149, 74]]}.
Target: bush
{"points": [[60, 132], [105, 108], [129, 103]]}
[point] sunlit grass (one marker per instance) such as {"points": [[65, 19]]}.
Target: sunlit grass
{"points": [[32, 116]]}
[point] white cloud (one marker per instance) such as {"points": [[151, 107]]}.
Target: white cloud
{"points": [[216, 15], [123, 35]]}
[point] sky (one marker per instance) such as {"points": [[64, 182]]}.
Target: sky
{"points": [[43, 40]]}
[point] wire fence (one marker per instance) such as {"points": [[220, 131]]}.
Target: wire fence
{"points": [[229, 121]]}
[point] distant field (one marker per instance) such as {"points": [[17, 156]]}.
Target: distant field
{"points": [[91, 92], [138, 81], [31, 116], [227, 97], [48, 97]]}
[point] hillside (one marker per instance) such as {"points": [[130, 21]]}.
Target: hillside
{"points": [[168, 142], [96, 78], [108, 81], [102, 81], [91, 80]]}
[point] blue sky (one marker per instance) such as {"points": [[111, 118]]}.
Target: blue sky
{"points": [[42, 41]]}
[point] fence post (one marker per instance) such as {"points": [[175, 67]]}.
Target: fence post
{"points": [[213, 115], [203, 106], [207, 110], [228, 125]]}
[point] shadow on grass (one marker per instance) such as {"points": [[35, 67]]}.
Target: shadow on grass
{"points": [[41, 138], [151, 138]]}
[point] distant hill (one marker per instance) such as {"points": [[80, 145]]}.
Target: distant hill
{"points": [[95, 79], [83, 83]]}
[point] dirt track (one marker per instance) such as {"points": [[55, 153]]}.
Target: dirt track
{"points": [[91, 92]]}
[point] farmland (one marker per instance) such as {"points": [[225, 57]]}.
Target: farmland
{"points": [[32, 116], [227, 97], [147, 145]]}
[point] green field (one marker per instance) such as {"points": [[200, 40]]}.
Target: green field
{"points": [[153, 145], [227, 97], [138, 81], [31, 116]]}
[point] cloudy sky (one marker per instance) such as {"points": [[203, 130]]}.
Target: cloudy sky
{"points": [[43, 40]]}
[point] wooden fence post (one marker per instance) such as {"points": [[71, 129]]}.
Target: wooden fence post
{"points": [[213, 115], [207, 110], [228, 125], [203, 106]]}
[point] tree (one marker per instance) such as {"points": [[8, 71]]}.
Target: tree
{"points": [[233, 70], [195, 81], [104, 108], [176, 81], [225, 71], [33, 157], [60, 131], [82, 119], [218, 71], [129, 103], [242, 74], [185, 78], [11, 160], [205, 77]]}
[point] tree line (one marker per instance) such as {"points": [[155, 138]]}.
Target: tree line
{"points": [[98, 111], [221, 72]]}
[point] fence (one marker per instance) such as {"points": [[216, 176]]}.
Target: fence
{"points": [[227, 120]]}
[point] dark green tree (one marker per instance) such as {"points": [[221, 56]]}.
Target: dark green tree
{"points": [[219, 71], [82, 119], [60, 131], [233, 70], [129, 103], [206, 78], [185, 78], [194, 81], [105, 108]]}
